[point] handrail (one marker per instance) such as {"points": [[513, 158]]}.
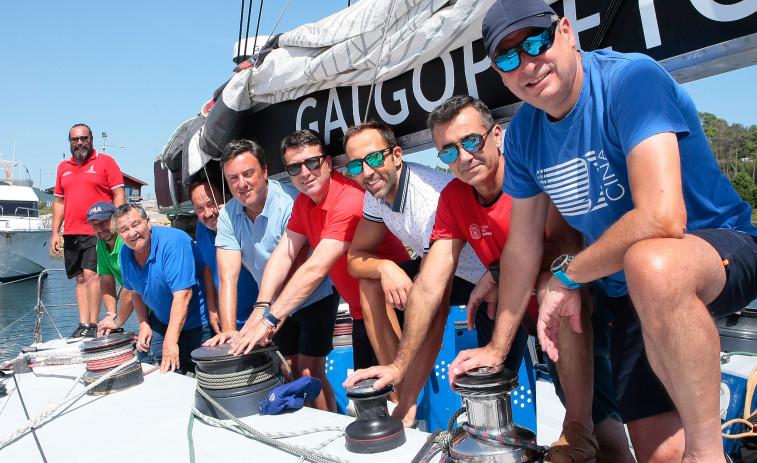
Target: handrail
{"points": [[28, 211]]}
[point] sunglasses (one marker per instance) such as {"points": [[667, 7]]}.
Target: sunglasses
{"points": [[472, 144], [82, 138], [535, 45], [374, 159], [311, 163]]}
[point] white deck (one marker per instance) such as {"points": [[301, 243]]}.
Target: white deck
{"points": [[149, 423]]}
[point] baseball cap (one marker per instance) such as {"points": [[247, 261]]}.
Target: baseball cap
{"points": [[290, 396], [100, 211], [507, 16]]}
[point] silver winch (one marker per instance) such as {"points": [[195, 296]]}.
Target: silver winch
{"points": [[486, 396]]}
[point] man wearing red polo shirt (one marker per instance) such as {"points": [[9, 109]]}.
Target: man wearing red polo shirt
{"points": [[83, 179], [325, 213]]}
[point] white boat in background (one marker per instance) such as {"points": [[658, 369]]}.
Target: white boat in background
{"points": [[24, 235]]}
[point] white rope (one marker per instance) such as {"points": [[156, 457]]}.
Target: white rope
{"points": [[101, 354], [378, 62], [45, 415], [247, 430]]}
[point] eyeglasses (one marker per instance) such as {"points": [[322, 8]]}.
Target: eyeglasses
{"points": [[82, 138], [472, 144], [374, 159], [311, 163], [535, 45]]}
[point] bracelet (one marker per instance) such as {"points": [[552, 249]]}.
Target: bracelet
{"points": [[262, 304]]}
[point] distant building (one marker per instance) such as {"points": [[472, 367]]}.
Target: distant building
{"points": [[133, 188]]}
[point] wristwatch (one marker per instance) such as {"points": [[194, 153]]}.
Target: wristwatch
{"points": [[269, 319], [115, 321], [559, 267], [494, 270]]}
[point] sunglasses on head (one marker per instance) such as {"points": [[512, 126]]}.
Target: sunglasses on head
{"points": [[82, 138], [472, 144], [534, 45], [311, 163], [374, 159]]}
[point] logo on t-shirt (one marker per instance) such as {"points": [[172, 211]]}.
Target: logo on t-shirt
{"points": [[91, 170], [475, 232], [68, 172], [569, 184]]}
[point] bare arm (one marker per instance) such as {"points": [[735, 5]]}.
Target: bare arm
{"points": [[654, 172], [211, 299], [229, 268], [519, 267], [58, 209], [108, 290], [119, 197], [179, 309], [145, 332], [363, 263], [276, 272]]}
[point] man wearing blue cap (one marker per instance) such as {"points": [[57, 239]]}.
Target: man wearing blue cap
{"points": [[100, 217], [618, 145]]}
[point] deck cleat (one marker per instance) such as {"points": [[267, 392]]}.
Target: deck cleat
{"points": [[374, 430]]}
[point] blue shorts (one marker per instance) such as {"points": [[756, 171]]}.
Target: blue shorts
{"points": [[310, 330], [604, 404], [738, 250]]}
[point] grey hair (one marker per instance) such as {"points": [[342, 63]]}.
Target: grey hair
{"points": [[124, 209]]}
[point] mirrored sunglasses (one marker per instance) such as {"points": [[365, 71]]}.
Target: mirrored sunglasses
{"points": [[311, 163], [535, 45], [472, 144], [374, 159]]}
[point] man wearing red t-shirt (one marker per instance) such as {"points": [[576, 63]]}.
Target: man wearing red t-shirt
{"points": [[325, 213], [82, 180]]}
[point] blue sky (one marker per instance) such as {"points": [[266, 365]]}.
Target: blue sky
{"points": [[138, 69]]}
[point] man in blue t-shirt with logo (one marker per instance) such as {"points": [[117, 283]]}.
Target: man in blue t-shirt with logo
{"points": [[163, 267], [618, 146]]}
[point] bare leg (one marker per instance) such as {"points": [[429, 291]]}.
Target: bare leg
{"points": [[613, 442], [315, 367], [416, 376], [93, 295], [81, 298], [381, 324], [658, 438], [670, 281]]}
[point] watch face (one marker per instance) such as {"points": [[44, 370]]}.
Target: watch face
{"points": [[561, 263]]}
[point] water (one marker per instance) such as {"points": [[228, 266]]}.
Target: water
{"points": [[17, 315]]}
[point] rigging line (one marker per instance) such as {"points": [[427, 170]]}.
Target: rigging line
{"points": [[257, 28], [280, 16], [378, 62], [210, 187], [241, 22], [247, 32], [23, 405], [33, 309]]}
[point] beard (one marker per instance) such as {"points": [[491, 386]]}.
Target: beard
{"points": [[81, 153]]}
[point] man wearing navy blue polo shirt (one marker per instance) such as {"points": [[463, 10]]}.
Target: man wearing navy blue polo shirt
{"points": [[163, 267], [206, 200]]}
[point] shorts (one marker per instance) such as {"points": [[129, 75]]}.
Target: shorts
{"points": [[603, 404], [310, 330], [79, 253], [739, 253], [459, 295], [637, 389]]}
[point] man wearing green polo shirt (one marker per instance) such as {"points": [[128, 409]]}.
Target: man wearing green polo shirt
{"points": [[99, 216]]}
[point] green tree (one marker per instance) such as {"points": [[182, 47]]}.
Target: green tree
{"points": [[745, 187]]}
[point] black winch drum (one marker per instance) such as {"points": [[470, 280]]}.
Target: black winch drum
{"points": [[128, 377], [373, 430], [239, 401]]}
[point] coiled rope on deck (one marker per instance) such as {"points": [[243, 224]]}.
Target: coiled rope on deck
{"points": [[749, 416]]}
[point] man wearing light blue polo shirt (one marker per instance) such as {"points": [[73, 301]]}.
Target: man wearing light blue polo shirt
{"points": [[206, 199], [163, 267], [249, 228]]}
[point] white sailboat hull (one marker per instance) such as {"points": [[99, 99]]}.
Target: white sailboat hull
{"points": [[23, 251]]}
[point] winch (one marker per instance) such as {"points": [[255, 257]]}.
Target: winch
{"points": [[105, 353], [491, 435], [236, 383], [373, 430]]}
